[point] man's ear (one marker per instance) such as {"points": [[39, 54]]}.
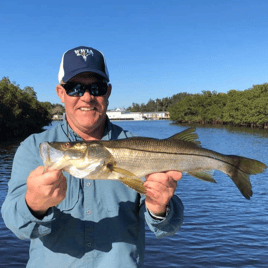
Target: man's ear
{"points": [[61, 93]]}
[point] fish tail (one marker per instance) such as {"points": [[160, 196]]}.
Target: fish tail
{"points": [[240, 170]]}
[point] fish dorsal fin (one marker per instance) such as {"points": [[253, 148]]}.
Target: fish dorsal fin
{"points": [[188, 135]]}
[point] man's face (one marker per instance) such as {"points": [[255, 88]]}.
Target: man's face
{"points": [[86, 114]]}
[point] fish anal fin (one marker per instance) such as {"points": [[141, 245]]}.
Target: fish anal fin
{"points": [[134, 183], [188, 135], [204, 175]]}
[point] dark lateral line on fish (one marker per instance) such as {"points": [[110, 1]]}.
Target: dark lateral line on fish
{"points": [[147, 151]]}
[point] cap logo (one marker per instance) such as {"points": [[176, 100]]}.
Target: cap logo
{"points": [[84, 53]]}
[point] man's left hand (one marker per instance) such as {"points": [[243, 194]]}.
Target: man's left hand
{"points": [[160, 188]]}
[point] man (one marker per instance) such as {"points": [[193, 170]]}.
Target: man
{"points": [[85, 223]]}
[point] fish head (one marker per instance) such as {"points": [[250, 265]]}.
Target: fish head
{"points": [[57, 155], [96, 150], [80, 159], [70, 149]]}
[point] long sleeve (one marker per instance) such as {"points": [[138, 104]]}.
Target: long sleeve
{"points": [[15, 211], [171, 224]]}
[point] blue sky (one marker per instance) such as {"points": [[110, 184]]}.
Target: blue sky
{"points": [[154, 49]]}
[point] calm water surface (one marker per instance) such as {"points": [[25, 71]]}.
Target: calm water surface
{"points": [[221, 228]]}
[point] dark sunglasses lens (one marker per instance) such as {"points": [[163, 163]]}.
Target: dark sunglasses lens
{"points": [[98, 89], [78, 90], [74, 90]]}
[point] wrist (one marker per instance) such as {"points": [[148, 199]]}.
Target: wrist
{"points": [[37, 211], [161, 215]]}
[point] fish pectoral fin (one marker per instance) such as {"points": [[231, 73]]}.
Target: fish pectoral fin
{"points": [[134, 183], [204, 175], [128, 178], [121, 171]]}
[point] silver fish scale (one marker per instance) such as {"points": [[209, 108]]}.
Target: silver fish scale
{"points": [[145, 161]]}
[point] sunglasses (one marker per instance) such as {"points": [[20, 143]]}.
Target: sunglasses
{"points": [[78, 90]]}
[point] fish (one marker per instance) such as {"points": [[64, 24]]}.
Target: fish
{"points": [[129, 160]]}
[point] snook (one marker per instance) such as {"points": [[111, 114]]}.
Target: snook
{"points": [[128, 160]]}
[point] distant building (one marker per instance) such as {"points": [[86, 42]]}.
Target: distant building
{"points": [[156, 115], [57, 117], [118, 115]]}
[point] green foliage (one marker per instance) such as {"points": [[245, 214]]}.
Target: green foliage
{"points": [[20, 111], [249, 107], [57, 109], [158, 105], [30, 91]]}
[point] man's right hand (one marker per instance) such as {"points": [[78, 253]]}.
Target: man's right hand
{"points": [[45, 190]]}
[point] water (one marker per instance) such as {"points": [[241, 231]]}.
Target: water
{"points": [[221, 228]]}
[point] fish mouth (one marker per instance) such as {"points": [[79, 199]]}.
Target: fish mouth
{"points": [[73, 149], [58, 146]]}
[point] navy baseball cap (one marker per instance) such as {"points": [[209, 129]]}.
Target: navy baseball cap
{"points": [[82, 59]]}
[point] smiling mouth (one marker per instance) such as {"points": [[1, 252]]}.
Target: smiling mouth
{"points": [[87, 109]]}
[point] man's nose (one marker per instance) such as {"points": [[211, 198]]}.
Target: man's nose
{"points": [[87, 96]]}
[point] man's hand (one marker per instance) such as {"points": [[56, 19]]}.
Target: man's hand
{"points": [[45, 190], [160, 188]]}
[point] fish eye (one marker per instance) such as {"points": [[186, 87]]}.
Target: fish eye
{"points": [[67, 145]]}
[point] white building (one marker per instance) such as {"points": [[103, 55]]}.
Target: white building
{"points": [[57, 117], [118, 115], [156, 115]]}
